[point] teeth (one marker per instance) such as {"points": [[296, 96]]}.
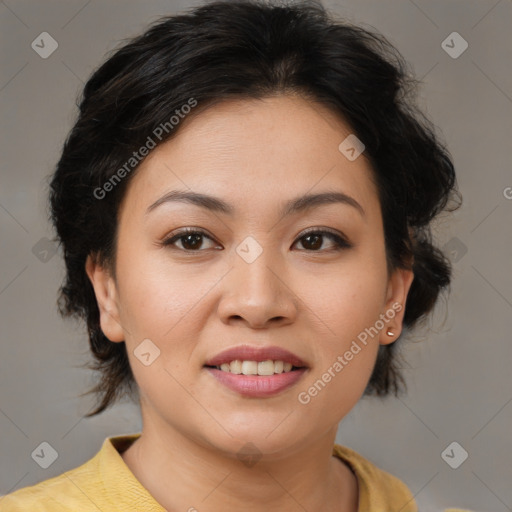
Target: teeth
{"points": [[249, 367], [234, 367], [254, 368], [266, 368]]}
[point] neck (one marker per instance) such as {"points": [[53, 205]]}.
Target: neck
{"points": [[182, 474]]}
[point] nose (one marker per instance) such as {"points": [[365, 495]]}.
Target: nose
{"points": [[258, 294]]}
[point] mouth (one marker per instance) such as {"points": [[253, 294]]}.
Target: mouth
{"points": [[256, 372], [248, 360], [260, 368]]}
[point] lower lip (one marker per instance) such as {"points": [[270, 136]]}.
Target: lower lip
{"points": [[256, 386]]}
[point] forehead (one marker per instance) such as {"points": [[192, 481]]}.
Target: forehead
{"points": [[246, 150]]}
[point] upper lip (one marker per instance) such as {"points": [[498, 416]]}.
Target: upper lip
{"points": [[258, 354]]}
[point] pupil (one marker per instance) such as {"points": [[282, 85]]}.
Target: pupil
{"points": [[316, 238], [195, 244]]}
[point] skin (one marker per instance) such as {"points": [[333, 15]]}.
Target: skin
{"points": [[311, 300]]}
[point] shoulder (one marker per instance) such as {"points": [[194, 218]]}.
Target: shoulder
{"points": [[58, 494], [71, 490], [33, 498], [104, 482], [378, 489]]}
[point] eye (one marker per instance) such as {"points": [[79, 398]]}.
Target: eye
{"points": [[313, 240], [190, 238]]}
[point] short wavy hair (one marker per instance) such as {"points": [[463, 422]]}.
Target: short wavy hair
{"points": [[250, 49]]}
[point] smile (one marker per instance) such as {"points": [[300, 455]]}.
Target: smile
{"points": [[268, 367], [256, 372]]}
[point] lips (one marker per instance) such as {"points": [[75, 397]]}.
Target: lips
{"points": [[277, 370], [258, 354]]}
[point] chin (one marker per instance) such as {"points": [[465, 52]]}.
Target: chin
{"points": [[252, 440]]}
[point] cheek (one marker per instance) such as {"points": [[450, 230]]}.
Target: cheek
{"points": [[348, 300], [162, 305], [345, 349], [156, 294], [348, 305], [169, 304]]}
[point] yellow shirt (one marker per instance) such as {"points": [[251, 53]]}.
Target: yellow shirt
{"points": [[105, 483]]}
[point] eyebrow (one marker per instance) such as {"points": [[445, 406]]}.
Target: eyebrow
{"points": [[292, 206]]}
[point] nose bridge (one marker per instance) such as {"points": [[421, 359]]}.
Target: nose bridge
{"points": [[255, 265], [256, 290]]}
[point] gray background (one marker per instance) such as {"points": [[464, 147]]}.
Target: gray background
{"points": [[458, 374]]}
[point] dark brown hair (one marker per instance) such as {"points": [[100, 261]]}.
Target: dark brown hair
{"points": [[249, 49]]}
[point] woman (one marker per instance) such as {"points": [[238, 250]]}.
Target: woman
{"points": [[244, 205]]}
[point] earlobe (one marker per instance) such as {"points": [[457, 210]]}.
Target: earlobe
{"points": [[398, 289], [106, 297]]}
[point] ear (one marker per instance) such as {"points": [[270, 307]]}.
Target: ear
{"points": [[398, 288], [106, 296]]}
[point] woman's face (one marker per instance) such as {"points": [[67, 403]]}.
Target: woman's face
{"points": [[255, 278]]}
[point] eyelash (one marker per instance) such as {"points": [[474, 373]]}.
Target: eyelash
{"points": [[340, 242]]}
